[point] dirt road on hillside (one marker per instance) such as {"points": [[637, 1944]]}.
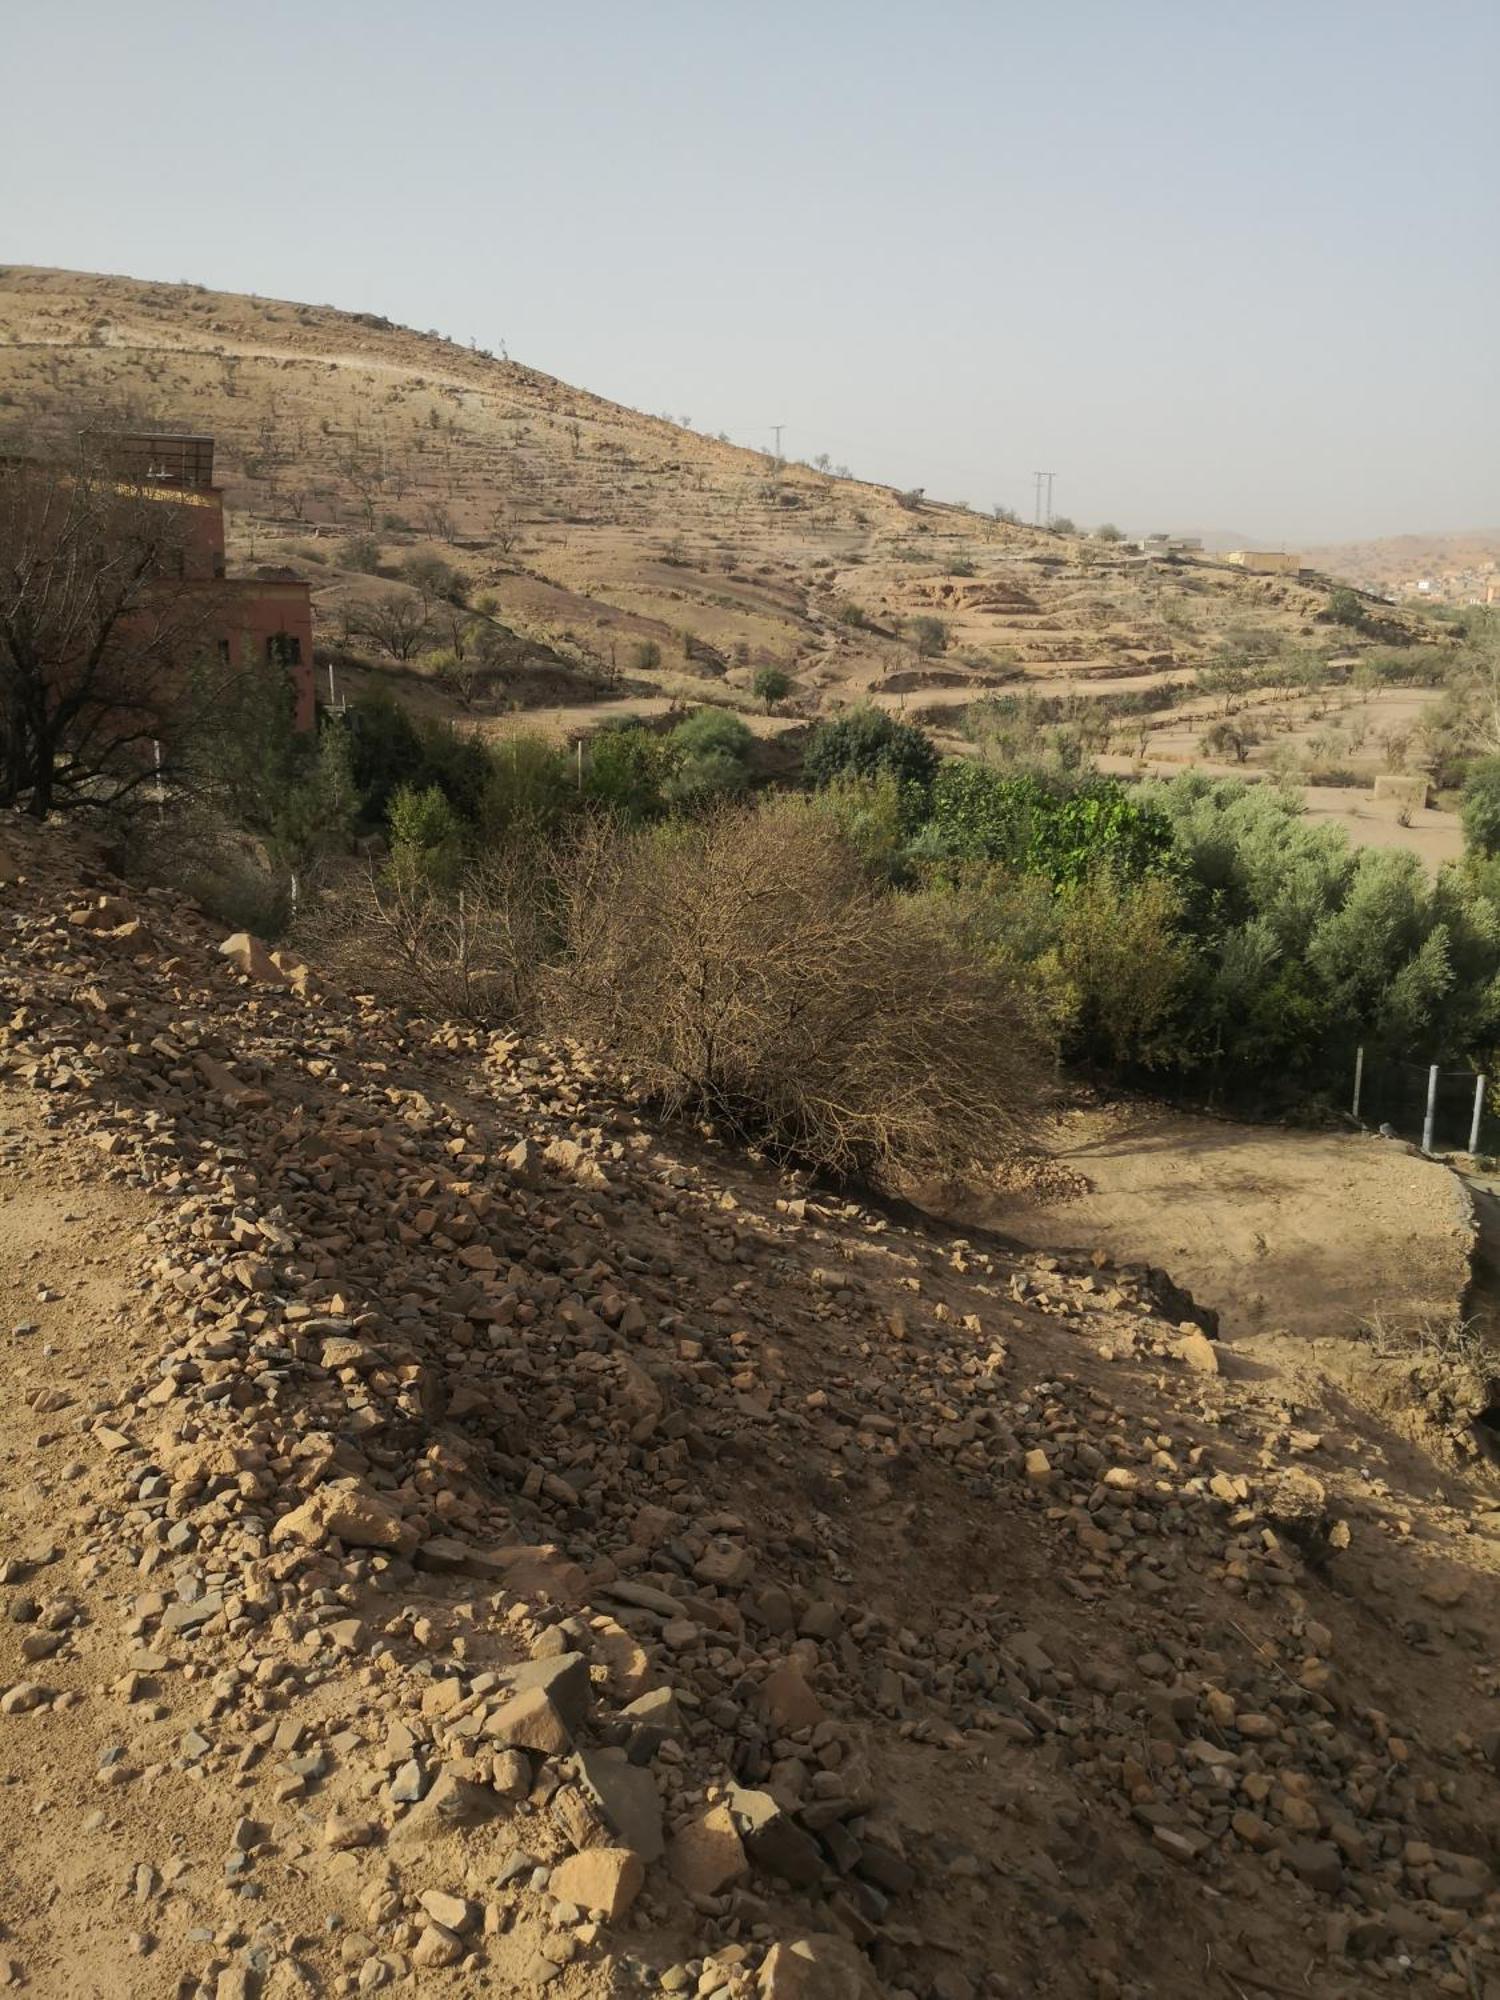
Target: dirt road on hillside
{"points": [[1304, 1232]]}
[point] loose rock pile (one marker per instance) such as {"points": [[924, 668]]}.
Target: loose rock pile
{"points": [[580, 1560]]}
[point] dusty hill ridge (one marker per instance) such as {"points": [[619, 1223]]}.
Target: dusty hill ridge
{"points": [[1470, 557], [599, 533], [456, 1534]]}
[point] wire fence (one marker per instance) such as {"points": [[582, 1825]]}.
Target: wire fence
{"points": [[1444, 1111]]}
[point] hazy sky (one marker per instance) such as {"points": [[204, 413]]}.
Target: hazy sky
{"points": [[1226, 268]]}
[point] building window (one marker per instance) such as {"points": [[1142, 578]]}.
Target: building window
{"points": [[285, 649], [223, 651]]}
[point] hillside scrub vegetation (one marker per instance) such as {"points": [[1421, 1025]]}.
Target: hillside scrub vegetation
{"points": [[744, 965], [740, 964], [417, 937], [1202, 929], [788, 965]]}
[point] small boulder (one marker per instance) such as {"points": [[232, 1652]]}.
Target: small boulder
{"points": [[790, 1703], [627, 1798], [706, 1856], [823, 1967], [353, 1515], [454, 1913], [606, 1880], [1199, 1352], [246, 952], [528, 1721]]}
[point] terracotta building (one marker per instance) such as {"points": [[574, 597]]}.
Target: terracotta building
{"points": [[251, 619]]}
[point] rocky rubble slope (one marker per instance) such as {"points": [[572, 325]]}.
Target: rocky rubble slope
{"points": [[490, 1545]]}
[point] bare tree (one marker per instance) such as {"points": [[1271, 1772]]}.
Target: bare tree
{"points": [[99, 635], [504, 529], [396, 621], [460, 627], [364, 473]]}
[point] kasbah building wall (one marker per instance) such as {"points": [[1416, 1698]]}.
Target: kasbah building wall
{"points": [[253, 620], [1266, 562]]}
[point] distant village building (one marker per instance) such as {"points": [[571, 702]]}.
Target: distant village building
{"points": [[1478, 585], [1266, 562], [1170, 545], [260, 619]]}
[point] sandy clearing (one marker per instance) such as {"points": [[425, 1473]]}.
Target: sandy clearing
{"points": [[1277, 1229]]}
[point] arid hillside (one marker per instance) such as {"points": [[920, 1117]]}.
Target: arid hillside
{"points": [[461, 1538], [630, 562]]}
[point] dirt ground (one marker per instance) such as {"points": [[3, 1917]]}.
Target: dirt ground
{"points": [[908, 1442], [1308, 1233], [1433, 836], [104, 1829]]}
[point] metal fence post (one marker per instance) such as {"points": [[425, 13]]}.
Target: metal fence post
{"points": [[1478, 1114], [1430, 1120], [1359, 1075]]}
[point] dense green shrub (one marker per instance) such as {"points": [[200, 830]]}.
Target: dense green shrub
{"points": [[1480, 810], [532, 784], [387, 750], [426, 837], [867, 743], [980, 814], [390, 748], [1124, 967], [1305, 946], [709, 774], [626, 771], [708, 731], [771, 685]]}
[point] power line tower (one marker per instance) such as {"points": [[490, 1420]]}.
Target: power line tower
{"points": [[1040, 519], [778, 428]]}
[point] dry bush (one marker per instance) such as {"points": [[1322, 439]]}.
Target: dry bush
{"points": [[470, 954], [199, 854], [743, 966]]}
